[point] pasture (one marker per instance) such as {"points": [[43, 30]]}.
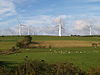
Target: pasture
{"points": [[48, 38], [66, 43], [77, 50], [6, 42], [83, 57]]}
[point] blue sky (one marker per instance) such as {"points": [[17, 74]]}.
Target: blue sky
{"points": [[43, 12], [58, 7]]}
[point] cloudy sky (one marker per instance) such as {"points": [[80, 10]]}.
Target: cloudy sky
{"points": [[77, 15]]}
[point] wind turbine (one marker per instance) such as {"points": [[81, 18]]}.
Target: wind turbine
{"points": [[60, 26], [28, 29], [90, 30], [21, 26]]}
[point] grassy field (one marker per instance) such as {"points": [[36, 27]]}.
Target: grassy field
{"points": [[47, 38], [7, 42], [84, 55], [6, 45], [66, 43]]}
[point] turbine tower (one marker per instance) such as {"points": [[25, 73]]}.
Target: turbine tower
{"points": [[60, 26], [21, 27], [28, 30], [90, 29]]}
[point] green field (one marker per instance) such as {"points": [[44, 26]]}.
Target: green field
{"points": [[6, 42], [47, 38], [84, 57]]}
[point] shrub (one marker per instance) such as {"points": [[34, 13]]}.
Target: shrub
{"points": [[28, 39], [13, 49], [43, 68], [24, 42]]}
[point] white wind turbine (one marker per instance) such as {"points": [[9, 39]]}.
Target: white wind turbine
{"points": [[21, 26], [60, 26], [91, 26], [90, 29], [28, 30]]}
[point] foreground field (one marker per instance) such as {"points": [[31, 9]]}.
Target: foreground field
{"points": [[83, 57], [77, 50]]}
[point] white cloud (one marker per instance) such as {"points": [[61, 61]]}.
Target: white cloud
{"points": [[7, 8], [80, 24], [44, 24], [39, 20], [44, 20], [83, 26]]}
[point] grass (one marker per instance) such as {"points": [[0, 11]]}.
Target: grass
{"points": [[47, 38], [67, 43], [90, 56], [6, 45], [7, 42]]}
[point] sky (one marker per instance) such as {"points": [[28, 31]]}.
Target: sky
{"points": [[40, 16]]}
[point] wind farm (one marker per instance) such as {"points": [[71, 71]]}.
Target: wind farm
{"points": [[49, 37], [77, 49]]}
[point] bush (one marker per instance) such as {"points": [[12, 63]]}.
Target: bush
{"points": [[13, 49], [24, 42], [28, 39], [43, 68]]}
